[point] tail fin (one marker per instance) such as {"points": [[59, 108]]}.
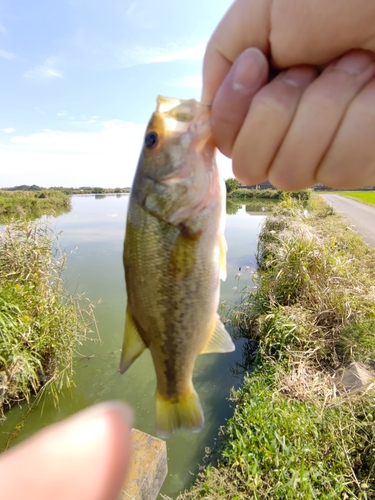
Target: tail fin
{"points": [[182, 413]]}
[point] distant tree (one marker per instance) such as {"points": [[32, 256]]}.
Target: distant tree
{"points": [[25, 187], [232, 184]]}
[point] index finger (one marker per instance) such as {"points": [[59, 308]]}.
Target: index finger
{"points": [[231, 38]]}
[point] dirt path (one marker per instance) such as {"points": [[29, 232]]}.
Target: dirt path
{"points": [[359, 215]]}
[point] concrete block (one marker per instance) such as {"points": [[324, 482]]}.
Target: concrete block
{"points": [[148, 468], [354, 378]]}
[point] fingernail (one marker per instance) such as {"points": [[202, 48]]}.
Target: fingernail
{"points": [[248, 70], [299, 76], [355, 62]]}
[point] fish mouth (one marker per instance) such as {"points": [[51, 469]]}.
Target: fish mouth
{"points": [[180, 116]]}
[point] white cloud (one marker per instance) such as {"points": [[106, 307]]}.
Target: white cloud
{"points": [[174, 52], [62, 113], [40, 111], [8, 130], [45, 71], [6, 55], [107, 157]]}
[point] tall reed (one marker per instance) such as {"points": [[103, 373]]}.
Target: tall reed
{"points": [[41, 325]]}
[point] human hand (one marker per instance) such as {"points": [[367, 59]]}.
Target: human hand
{"points": [[83, 457], [315, 121]]}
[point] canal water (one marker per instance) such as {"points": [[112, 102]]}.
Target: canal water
{"points": [[92, 236]]}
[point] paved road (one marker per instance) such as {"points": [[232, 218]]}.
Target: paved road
{"points": [[360, 216]]}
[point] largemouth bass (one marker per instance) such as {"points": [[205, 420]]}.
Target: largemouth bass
{"points": [[174, 257]]}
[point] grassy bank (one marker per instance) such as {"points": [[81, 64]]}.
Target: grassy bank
{"points": [[364, 196], [70, 190], [32, 204], [293, 433], [40, 324]]}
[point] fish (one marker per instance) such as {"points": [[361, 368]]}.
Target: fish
{"points": [[174, 257]]}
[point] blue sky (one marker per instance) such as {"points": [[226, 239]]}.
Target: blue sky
{"points": [[79, 80]]}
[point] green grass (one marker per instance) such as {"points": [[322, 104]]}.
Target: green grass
{"points": [[275, 447], [32, 204], [364, 196], [41, 325], [293, 434]]}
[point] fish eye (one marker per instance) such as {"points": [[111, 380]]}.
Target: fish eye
{"points": [[151, 140]]}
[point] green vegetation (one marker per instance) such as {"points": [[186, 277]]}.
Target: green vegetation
{"points": [[231, 184], [271, 194], [32, 204], [364, 196], [40, 324], [69, 191], [236, 193], [295, 433]]}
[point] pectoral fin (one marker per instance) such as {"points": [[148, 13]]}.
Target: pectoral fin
{"points": [[220, 340], [223, 258], [183, 256], [133, 345]]}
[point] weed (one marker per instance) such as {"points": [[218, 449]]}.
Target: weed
{"points": [[40, 324]]}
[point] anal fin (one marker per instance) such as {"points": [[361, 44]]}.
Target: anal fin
{"points": [[219, 340], [133, 345]]}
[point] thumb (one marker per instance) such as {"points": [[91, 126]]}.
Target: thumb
{"points": [[85, 456]]}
